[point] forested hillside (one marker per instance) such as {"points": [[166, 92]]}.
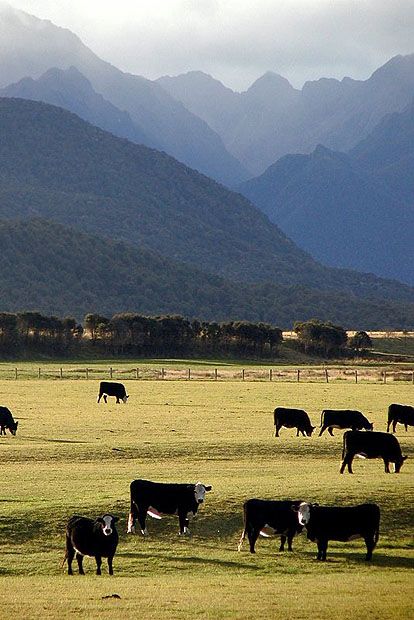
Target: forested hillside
{"points": [[56, 270], [56, 166]]}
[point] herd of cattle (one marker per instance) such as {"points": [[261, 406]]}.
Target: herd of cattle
{"points": [[99, 538]]}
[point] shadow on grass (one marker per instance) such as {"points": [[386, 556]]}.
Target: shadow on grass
{"points": [[189, 560], [378, 559]]}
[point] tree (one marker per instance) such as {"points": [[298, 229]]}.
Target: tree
{"points": [[321, 338], [360, 341]]}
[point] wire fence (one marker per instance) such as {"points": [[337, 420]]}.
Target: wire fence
{"points": [[289, 375]]}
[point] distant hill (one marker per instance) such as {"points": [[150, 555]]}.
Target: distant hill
{"points": [[272, 119], [354, 210], [57, 270], [31, 46], [55, 166]]}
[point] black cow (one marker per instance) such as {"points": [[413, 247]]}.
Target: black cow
{"points": [[156, 498], [403, 414], [371, 446], [277, 515], [293, 418], [109, 388], [7, 421], [325, 523], [343, 418], [98, 539]]}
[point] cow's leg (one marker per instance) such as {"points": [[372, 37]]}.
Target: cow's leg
{"points": [[350, 459], [110, 567], [105, 398], [79, 559], [290, 537], [278, 427], [394, 426], [117, 400], [70, 554], [99, 397], [98, 564], [388, 426], [370, 543], [406, 427], [142, 515], [347, 462], [387, 466], [183, 521], [282, 542], [253, 535], [330, 431], [322, 548]]}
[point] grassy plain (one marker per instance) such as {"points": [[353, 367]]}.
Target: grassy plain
{"points": [[72, 455]]}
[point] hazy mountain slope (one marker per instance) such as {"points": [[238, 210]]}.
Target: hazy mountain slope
{"points": [[30, 46], [351, 210], [272, 118], [69, 89], [54, 165], [58, 270]]}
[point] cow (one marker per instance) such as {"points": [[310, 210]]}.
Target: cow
{"points": [[403, 414], [293, 418], [157, 498], [109, 388], [96, 538], [277, 515], [7, 421], [325, 523], [343, 418], [371, 446]]}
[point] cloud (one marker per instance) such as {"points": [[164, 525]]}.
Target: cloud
{"points": [[237, 41]]}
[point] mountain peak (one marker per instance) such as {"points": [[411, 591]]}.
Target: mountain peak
{"points": [[270, 84]]}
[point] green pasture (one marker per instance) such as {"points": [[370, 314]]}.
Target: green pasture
{"points": [[72, 455]]}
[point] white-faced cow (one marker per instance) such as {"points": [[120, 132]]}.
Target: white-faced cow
{"points": [[293, 418], [402, 414], [261, 515], [109, 388], [325, 523], [7, 421], [343, 418], [157, 498], [96, 538], [373, 445]]}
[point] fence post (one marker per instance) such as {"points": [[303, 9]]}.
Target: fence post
{"points": [[385, 376], [412, 378], [189, 374], [38, 373], [270, 375], [110, 372], [215, 374], [356, 376], [243, 374], [87, 373], [61, 373], [15, 373], [162, 373], [298, 373], [326, 375]]}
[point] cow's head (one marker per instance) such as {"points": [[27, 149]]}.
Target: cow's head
{"points": [[303, 512], [125, 398], [13, 427], [399, 464], [200, 490], [310, 430], [370, 426], [107, 523]]}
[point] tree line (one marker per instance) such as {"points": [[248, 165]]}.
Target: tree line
{"points": [[27, 334]]}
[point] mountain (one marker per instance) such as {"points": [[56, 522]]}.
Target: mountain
{"points": [[349, 210], [56, 270], [272, 119], [31, 46], [69, 89], [56, 166]]}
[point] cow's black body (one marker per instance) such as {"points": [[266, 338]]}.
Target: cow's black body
{"points": [[109, 388], [278, 515], [85, 537], [7, 421], [166, 498], [402, 414], [371, 446], [343, 418], [343, 523], [292, 418]]}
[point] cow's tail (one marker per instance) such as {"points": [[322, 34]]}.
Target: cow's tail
{"points": [[133, 515], [376, 533], [243, 535], [344, 446], [322, 416]]}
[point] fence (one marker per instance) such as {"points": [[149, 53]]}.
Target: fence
{"points": [[291, 375]]}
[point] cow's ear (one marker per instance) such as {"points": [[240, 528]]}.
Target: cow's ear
{"points": [[208, 488], [115, 519], [315, 504], [100, 520], [295, 508]]}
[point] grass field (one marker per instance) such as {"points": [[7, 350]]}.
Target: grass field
{"points": [[72, 455]]}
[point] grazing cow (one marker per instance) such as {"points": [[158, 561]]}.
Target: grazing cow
{"points": [[403, 414], [7, 421], [325, 523], [109, 388], [343, 418], [98, 539], [277, 515], [156, 498], [371, 446], [293, 418]]}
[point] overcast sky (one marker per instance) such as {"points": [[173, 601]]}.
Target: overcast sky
{"points": [[236, 41]]}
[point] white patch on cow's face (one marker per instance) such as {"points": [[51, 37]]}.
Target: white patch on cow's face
{"points": [[107, 525], [125, 398], [304, 513], [199, 492]]}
